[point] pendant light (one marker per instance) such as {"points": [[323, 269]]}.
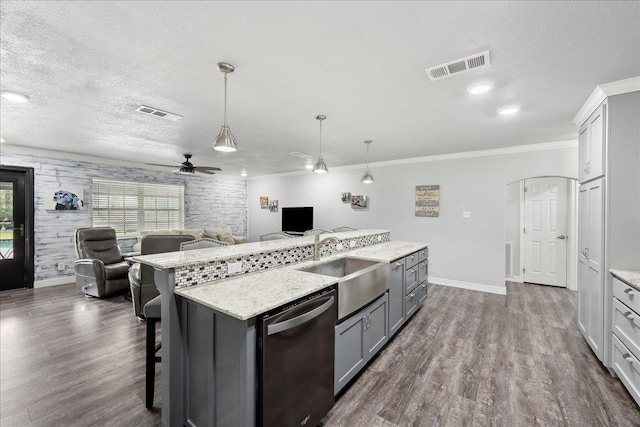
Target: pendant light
{"points": [[225, 141], [367, 178], [320, 166]]}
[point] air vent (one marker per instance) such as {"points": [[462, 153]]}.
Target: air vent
{"points": [[508, 259], [299, 154], [158, 113], [458, 66]]}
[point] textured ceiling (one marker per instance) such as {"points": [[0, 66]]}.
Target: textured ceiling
{"points": [[88, 65]]}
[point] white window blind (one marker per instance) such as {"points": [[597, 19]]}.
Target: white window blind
{"points": [[130, 207]]}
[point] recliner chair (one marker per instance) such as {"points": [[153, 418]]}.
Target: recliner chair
{"points": [[101, 270], [141, 277]]}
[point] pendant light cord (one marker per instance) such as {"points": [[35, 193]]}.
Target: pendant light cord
{"points": [[367, 156], [225, 99], [320, 138]]}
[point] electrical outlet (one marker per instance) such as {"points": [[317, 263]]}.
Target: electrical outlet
{"points": [[234, 267], [339, 246], [60, 266], [379, 238], [352, 244], [466, 214]]}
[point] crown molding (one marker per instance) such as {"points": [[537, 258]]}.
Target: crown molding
{"points": [[573, 143], [29, 151], [601, 92]]}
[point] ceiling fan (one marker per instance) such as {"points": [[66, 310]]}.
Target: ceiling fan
{"points": [[187, 168]]}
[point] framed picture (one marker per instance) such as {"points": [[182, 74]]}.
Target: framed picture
{"points": [[264, 202], [273, 206], [346, 197], [67, 198], [358, 202], [428, 200]]}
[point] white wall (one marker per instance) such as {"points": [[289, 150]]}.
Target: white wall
{"points": [[463, 252], [512, 224]]}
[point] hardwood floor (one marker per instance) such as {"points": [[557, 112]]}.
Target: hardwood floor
{"points": [[471, 358], [466, 358]]}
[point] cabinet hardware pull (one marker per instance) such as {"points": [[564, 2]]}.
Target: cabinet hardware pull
{"points": [[629, 315], [412, 271], [627, 357], [412, 295], [629, 291], [424, 285], [398, 264]]}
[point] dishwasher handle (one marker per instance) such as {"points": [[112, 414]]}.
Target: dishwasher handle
{"points": [[299, 320]]}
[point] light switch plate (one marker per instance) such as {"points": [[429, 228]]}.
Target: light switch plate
{"points": [[234, 267], [352, 243], [379, 238], [339, 246], [466, 214]]}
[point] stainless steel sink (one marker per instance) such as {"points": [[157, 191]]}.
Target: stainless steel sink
{"points": [[359, 281]]}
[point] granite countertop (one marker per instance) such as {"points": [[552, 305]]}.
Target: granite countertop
{"points": [[631, 278], [250, 295], [199, 256]]}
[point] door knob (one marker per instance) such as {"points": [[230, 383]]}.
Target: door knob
{"points": [[561, 237]]}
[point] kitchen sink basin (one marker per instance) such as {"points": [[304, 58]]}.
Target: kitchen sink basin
{"points": [[359, 281]]}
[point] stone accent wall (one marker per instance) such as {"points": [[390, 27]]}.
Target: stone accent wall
{"points": [[209, 202], [251, 263]]}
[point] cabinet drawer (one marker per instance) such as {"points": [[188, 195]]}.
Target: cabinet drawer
{"points": [[411, 260], [423, 271], [423, 254], [411, 279], [626, 294], [626, 326], [422, 292], [412, 303], [627, 367]]}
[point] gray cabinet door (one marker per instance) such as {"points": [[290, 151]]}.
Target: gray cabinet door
{"points": [[411, 303], [350, 350], [396, 297], [423, 271], [376, 332], [411, 279]]}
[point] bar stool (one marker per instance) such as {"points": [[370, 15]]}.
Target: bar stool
{"points": [[152, 314]]}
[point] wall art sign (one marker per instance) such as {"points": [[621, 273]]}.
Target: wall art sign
{"points": [[67, 198], [264, 202], [427, 200], [273, 206], [346, 197], [358, 202]]}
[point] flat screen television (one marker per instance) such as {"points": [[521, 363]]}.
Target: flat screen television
{"points": [[297, 220]]}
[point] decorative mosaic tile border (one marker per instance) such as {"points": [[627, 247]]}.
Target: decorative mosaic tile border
{"points": [[217, 270]]}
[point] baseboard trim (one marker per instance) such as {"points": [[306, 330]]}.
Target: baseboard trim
{"points": [[55, 281], [468, 285], [517, 279]]}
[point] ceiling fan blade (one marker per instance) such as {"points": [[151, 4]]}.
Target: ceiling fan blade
{"points": [[156, 164], [205, 171], [211, 168]]}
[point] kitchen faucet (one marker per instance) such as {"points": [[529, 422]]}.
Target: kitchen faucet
{"points": [[317, 244]]}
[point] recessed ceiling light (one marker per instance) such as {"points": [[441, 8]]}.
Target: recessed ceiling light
{"points": [[480, 88], [243, 173], [14, 96], [507, 111]]}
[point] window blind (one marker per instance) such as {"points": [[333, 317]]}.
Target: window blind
{"points": [[130, 207]]}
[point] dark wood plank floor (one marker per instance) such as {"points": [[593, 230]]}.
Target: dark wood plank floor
{"points": [[467, 358], [470, 358]]}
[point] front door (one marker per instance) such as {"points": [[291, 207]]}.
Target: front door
{"points": [[16, 228], [545, 231]]}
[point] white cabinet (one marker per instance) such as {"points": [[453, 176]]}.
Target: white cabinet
{"points": [[590, 273], [592, 146]]}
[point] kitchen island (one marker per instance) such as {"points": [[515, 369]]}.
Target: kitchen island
{"points": [[209, 335]]}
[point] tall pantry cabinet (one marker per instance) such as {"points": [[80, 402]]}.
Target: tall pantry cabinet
{"points": [[608, 204]]}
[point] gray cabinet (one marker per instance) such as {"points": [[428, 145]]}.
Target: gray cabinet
{"points": [[358, 339], [396, 297], [591, 143]]}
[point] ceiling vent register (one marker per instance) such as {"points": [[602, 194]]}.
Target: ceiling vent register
{"points": [[473, 62], [158, 113]]}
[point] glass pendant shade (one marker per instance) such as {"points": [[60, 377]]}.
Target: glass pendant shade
{"points": [[225, 141], [367, 178], [320, 166]]}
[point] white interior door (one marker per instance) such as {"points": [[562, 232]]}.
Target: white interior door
{"points": [[545, 233]]}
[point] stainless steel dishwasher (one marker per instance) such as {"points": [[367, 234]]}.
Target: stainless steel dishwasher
{"points": [[296, 362]]}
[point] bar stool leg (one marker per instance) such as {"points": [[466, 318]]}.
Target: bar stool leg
{"points": [[151, 360]]}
